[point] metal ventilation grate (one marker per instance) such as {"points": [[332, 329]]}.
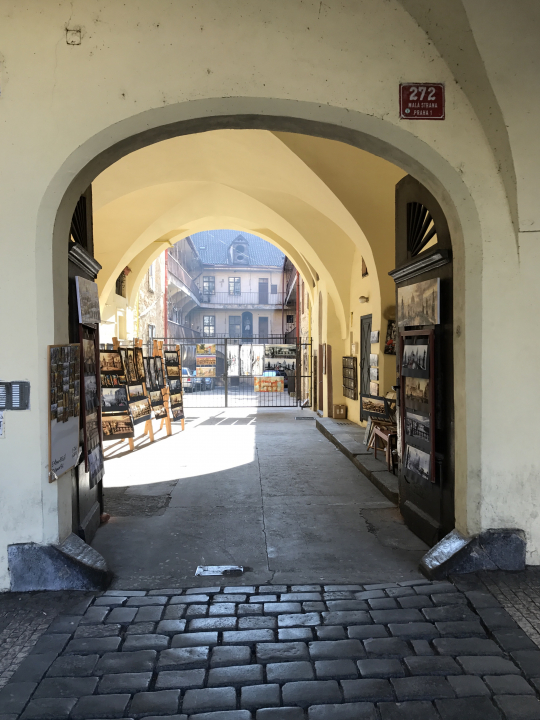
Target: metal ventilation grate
{"points": [[15, 395], [3, 395]]}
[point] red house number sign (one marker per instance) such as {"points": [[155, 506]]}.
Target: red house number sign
{"points": [[421, 101]]}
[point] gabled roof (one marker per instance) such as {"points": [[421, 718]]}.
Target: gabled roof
{"points": [[213, 248]]}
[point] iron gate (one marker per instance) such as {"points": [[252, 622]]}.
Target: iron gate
{"points": [[238, 380]]}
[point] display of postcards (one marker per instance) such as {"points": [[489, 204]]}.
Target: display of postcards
{"points": [[417, 426], [136, 392], [415, 361], [177, 413], [280, 351], [206, 372], [117, 426], [373, 373], [89, 357], [176, 400], [286, 364], [114, 399], [156, 398], [205, 361], [416, 391], [110, 362], [374, 406], [139, 363], [175, 386], [158, 368], [140, 411], [418, 462], [206, 349], [91, 400], [92, 431], [151, 383], [96, 467], [373, 388], [374, 360], [160, 412], [419, 304], [391, 337], [374, 337]]}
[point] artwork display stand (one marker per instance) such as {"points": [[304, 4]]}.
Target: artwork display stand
{"points": [[158, 352]]}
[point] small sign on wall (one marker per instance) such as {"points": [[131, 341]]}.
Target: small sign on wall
{"points": [[421, 101]]}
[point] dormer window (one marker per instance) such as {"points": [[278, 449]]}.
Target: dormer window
{"points": [[239, 252]]}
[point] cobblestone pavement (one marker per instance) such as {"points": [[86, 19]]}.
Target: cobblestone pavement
{"points": [[401, 651]]}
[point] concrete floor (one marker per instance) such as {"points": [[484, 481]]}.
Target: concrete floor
{"points": [[253, 487]]}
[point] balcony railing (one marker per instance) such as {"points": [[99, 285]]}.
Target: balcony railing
{"points": [[174, 268], [246, 298]]}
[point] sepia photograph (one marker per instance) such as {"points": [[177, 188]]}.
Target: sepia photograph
{"points": [[206, 349], [139, 363], [140, 411], [373, 405], [114, 399], [415, 361], [110, 362], [417, 426], [419, 304], [373, 388], [416, 390], [136, 392], [373, 373], [117, 426], [206, 361], [177, 413], [206, 372], [173, 371], [89, 357], [176, 400], [373, 360], [156, 398], [418, 461]]}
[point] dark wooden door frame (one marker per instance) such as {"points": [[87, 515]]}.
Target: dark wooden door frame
{"points": [[364, 357]]}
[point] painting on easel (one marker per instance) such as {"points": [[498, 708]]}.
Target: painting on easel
{"points": [[140, 411]]}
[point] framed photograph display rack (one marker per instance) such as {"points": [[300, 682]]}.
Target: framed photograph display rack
{"points": [[417, 403], [350, 378]]}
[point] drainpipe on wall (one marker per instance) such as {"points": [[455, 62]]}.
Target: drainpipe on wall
{"points": [[297, 306], [166, 309]]}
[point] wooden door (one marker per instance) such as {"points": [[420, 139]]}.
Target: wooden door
{"points": [[263, 291]]}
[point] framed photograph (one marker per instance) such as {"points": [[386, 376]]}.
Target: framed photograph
{"points": [[156, 398], [419, 304], [206, 360], [87, 301], [288, 365], [374, 407], [175, 386], [206, 349], [374, 360], [89, 357], [374, 337], [91, 401], [96, 466], [64, 407], [373, 388], [151, 382], [118, 426], [415, 360], [416, 392], [280, 351], [171, 358], [418, 462], [136, 392], [112, 380], [391, 333], [139, 364], [160, 412], [141, 411], [178, 413], [114, 399], [158, 370], [110, 362], [373, 373], [418, 426]]}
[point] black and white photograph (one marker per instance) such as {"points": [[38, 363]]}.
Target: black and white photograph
{"points": [[417, 426], [87, 301], [419, 304], [418, 462], [136, 392], [158, 369], [110, 362], [374, 337], [175, 386], [288, 365], [415, 361], [280, 351], [117, 427], [89, 357], [373, 373], [91, 401], [140, 411], [151, 383], [130, 368], [177, 413], [374, 360], [95, 465], [171, 358], [114, 399], [156, 398]]}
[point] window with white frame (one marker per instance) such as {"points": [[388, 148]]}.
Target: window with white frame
{"points": [[209, 324], [234, 286]]}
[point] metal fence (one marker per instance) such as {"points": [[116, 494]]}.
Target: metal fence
{"points": [[242, 384]]}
